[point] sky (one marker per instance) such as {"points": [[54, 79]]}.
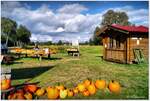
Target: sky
{"points": [[69, 20]]}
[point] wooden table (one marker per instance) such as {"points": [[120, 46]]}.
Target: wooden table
{"points": [[73, 52]]}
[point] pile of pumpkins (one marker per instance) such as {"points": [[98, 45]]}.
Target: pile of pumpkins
{"points": [[86, 88]]}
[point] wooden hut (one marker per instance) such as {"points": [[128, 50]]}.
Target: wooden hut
{"points": [[125, 44]]}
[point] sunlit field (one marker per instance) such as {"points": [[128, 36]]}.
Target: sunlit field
{"points": [[69, 71]]}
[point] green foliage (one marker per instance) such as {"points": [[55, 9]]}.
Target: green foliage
{"points": [[95, 39], [8, 28], [23, 34], [109, 18], [8, 25], [112, 17], [60, 42], [11, 35]]}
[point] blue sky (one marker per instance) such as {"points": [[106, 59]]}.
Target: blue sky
{"points": [[53, 21]]}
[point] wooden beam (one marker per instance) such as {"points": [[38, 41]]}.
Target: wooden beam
{"points": [[120, 30]]}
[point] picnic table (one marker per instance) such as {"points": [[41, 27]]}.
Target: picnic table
{"points": [[73, 51]]}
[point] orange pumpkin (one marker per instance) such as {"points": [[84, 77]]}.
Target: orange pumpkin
{"points": [[5, 84], [31, 88], [70, 93], [20, 91], [28, 96], [60, 87], [52, 93], [81, 87], [18, 95], [114, 86], [40, 92], [100, 84], [11, 96], [86, 93], [75, 90], [87, 82], [91, 88]]}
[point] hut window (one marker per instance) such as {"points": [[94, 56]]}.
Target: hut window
{"points": [[138, 42], [134, 38], [111, 43], [118, 41]]}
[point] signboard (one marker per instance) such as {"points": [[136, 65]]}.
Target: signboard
{"points": [[75, 43]]}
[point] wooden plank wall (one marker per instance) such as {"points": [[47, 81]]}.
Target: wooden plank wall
{"points": [[133, 44], [116, 55]]}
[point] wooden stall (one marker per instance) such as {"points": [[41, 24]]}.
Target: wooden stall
{"points": [[125, 44]]}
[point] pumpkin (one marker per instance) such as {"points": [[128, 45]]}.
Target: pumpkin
{"points": [[20, 95], [75, 90], [114, 86], [91, 88], [81, 87], [70, 93], [31, 88], [40, 92], [11, 96], [63, 94], [87, 82], [16, 95], [100, 84], [52, 93], [5, 84], [86, 93], [20, 91], [60, 87], [28, 96]]}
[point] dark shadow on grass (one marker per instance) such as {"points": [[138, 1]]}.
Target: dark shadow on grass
{"points": [[7, 64], [51, 58], [100, 56], [26, 73]]}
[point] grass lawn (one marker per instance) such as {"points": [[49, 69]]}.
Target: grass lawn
{"points": [[69, 71]]}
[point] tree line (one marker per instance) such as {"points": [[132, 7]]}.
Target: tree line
{"points": [[12, 34]]}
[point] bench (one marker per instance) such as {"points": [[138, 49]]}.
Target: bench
{"points": [[5, 73]]}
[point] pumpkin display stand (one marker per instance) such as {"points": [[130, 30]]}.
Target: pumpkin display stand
{"points": [[4, 93]]}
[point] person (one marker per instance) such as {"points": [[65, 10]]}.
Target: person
{"points": [[4, 49], [36, 47]]}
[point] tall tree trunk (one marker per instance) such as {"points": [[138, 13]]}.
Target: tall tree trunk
{"points": [[7, 39]]}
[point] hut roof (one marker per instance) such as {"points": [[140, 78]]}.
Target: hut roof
{"points": [[131, 28], [125, 29]]}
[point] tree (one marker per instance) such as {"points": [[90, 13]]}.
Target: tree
{"points": [[60, 42], [23, 35], [91, 42], [112, 17], [97, 40], [109, 18], [8, 28]]}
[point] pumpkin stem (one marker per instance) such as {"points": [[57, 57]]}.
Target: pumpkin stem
{"points": [[5, 77], [89, 79], [112, 81]]}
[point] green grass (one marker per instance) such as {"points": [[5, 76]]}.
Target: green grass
{"points": [[70, 71]]}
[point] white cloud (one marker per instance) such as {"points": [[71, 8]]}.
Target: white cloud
{"points": [[40, 37], [72, 8], [8, 7], [67, 22]]}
